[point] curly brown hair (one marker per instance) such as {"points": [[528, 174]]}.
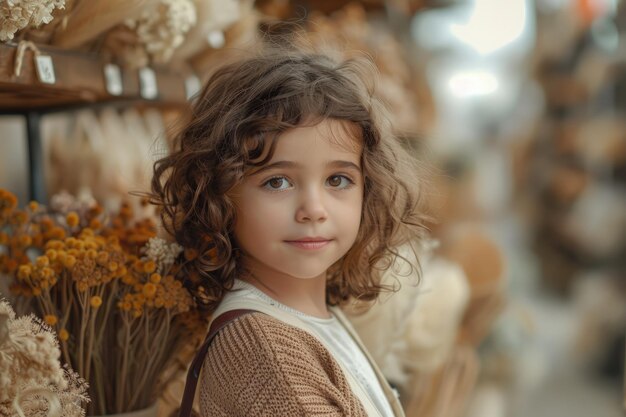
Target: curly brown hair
{"points": [[240, 113]]}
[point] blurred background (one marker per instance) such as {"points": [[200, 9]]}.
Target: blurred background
{"points": [[518, 105]]}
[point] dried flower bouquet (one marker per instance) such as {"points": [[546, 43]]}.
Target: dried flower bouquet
{"points": [[32, 381], [110, 289]]}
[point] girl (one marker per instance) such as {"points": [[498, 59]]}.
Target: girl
{"points": [[288, 184]]}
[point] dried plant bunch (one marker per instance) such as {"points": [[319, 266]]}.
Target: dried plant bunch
{"points": [[16, 15], [153, 36], [90, 19], [32, 381], [113, 292]]}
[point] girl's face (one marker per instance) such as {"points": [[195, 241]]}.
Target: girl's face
{"points": [[301, 212]]}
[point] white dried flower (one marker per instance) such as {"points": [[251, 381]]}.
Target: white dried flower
{"points": [[162, 253], [30, 372], [18, 14], [161, 30]]}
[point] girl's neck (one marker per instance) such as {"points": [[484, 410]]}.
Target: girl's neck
{"points": [[305, 295]]}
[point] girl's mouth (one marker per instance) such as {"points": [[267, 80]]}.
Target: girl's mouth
{"points": [[309, 243]]}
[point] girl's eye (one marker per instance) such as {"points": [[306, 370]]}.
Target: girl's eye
{"points": [[276, 184], [339, 181]]}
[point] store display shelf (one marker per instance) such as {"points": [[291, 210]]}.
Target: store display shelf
{"points": [[67, 79]]}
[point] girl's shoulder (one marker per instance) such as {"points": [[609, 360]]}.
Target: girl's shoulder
{"points": [[260, 335], [257, 352]]}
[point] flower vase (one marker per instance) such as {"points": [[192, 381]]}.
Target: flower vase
{"points": [[146, 412]]}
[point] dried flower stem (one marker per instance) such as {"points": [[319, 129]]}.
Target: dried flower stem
{"points": [[121, 383]]}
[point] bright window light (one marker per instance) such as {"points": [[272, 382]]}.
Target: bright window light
{"points": [[492, 24], [473, 83]]}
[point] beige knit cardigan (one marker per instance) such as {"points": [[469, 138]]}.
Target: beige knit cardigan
{"points": [[258, 365]]}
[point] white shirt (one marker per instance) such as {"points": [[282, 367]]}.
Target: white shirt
{"points": [[340, 343]]}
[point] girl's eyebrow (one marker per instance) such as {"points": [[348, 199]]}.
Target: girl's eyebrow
{"points": [[291, 164]]}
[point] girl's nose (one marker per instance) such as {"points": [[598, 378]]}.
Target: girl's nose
{"points": [[311, 207]]}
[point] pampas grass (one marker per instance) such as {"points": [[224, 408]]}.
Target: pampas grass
{"points": [[90, 18]]}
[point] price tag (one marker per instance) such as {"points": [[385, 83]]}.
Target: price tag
{"points": [[45, 69], [192, 86], [148, 84], [113, 79], [216, 39]]}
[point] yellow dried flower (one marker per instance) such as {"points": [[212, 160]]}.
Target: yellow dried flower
{"points": [[121, 271], [95, 301], [149, 290], [57, 233], [46, 273], [149, 267], [63, 335], [113, 266], [33, 205], [103, 258], [95, 224], [55, 244], [72, 219], [90, 244], [51, 254], [36, 292], [155, 278], [24, 272], [92, 254], [61, 255], [50, 319], [70, 261], [42, 261], [128, 279]]}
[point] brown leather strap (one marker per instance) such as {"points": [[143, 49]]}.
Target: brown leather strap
{"points": [[194, 370]]}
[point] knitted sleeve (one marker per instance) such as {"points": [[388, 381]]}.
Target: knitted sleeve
{"points": [[260, 366]]}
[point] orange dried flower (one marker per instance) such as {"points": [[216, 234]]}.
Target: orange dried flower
{"points": [[149, 267], [69, 262], [57, 233], [72, 219], [24, 271], [51, 254], [20, 218], [103, 258], [95, 301], [63, 335], [7, 200], [25, 240], [190, 254], [50, 319], [46, 223], [95, 224], [149, 290], [42, 261]]}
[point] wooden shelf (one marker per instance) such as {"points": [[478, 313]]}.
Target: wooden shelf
{"points": [[80, 80]]}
